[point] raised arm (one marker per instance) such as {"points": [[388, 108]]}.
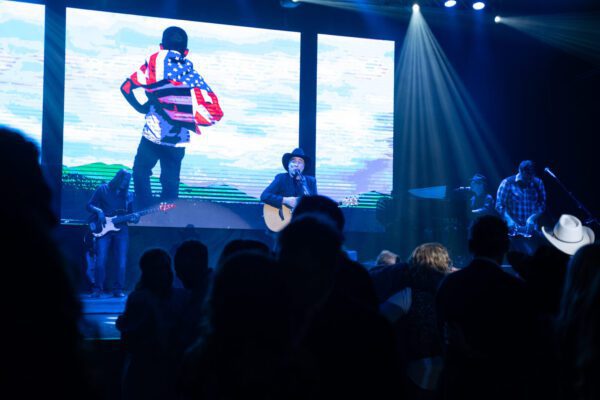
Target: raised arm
{"points": [[127, 91]]}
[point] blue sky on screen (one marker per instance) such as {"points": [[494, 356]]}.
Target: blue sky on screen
{"points": [[254, 72], [355, 99], [22, 67]]}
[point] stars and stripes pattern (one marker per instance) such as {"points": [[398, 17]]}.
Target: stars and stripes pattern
{"points": [[184, 96]]}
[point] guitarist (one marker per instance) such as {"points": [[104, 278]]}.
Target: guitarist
{"points": [[288, 187], [108, 200], [521, 199]]}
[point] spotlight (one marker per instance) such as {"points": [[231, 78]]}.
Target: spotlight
{"points": [[450, 3], [416, 7], [497, 19], [289, 3], [478, 5]]}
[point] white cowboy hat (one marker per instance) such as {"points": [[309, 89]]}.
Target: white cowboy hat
{"points": [[569, 234]]}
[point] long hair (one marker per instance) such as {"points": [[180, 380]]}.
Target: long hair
{"points": [[578, 323], [117, 181]]}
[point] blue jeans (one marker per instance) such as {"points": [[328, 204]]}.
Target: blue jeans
{"points": [[148, 154], [117, 242]]}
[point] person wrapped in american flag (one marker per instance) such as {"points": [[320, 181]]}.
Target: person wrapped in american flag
{"points": [[179, 102]]}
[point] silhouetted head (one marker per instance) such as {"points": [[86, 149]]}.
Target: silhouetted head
{"points": [[545, 274], [309, 253], [157, 275], [175, 38], [488, 237], [320, 204], [248, 299], [189, 232], [22, 177], [191, 263], [243, 245]]}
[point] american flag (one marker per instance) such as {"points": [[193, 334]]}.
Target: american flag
{"points": [[185, 97]]}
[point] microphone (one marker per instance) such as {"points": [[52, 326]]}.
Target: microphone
{"points": [[297, 174], [547, 170]]}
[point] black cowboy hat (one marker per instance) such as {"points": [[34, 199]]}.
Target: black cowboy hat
{"points": [[297, 152]]}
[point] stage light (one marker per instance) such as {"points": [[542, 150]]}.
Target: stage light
{"points": [[416, 7], [289, 3], [478, 5], [450, 3], [497, 19]]}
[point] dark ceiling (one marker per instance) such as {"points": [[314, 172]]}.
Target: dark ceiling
{"points": [[506, 6]]}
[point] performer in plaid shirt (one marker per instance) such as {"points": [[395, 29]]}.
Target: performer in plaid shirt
{"points": [[521, 198]]}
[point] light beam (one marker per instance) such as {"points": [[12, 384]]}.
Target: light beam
{"points": [[442, 139], [575, 34]]}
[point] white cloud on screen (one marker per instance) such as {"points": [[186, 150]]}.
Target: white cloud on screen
{"points": [[14, 10], [21, 67], [351, 96]]}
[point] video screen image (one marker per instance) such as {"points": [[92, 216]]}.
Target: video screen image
{"points": [[22, 67], [355, 99], [229, 156], [220, 117]]}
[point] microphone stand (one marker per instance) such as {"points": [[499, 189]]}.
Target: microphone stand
{"points": [[590, 217]]}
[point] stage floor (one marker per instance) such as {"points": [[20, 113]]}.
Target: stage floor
{"points": [[99, 317]]}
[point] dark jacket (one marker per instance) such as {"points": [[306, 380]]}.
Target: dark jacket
{"points": [[285, 186], [389, 279], [486, 321]]}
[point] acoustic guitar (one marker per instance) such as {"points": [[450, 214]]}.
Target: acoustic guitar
{"points": [[277, 218]]}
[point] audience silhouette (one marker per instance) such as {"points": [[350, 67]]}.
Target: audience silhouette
{"points": [[347, 347], [43, 353], [305, 322], [191, 267], [150, 330], [578, 326], [485, 321], [244, 352]]}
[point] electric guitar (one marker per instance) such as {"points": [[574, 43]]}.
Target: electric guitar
{"points": [[277, 218], [522, 231], [114, 223]]}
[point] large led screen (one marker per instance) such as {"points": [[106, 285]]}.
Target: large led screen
{"points": [[355, 100], [231, 155], [22, 67]]}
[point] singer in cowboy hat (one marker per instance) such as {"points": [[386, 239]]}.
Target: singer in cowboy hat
{"points": [[287, 187]]}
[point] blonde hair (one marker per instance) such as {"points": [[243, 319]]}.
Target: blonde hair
{"points": [[433, 256]]}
